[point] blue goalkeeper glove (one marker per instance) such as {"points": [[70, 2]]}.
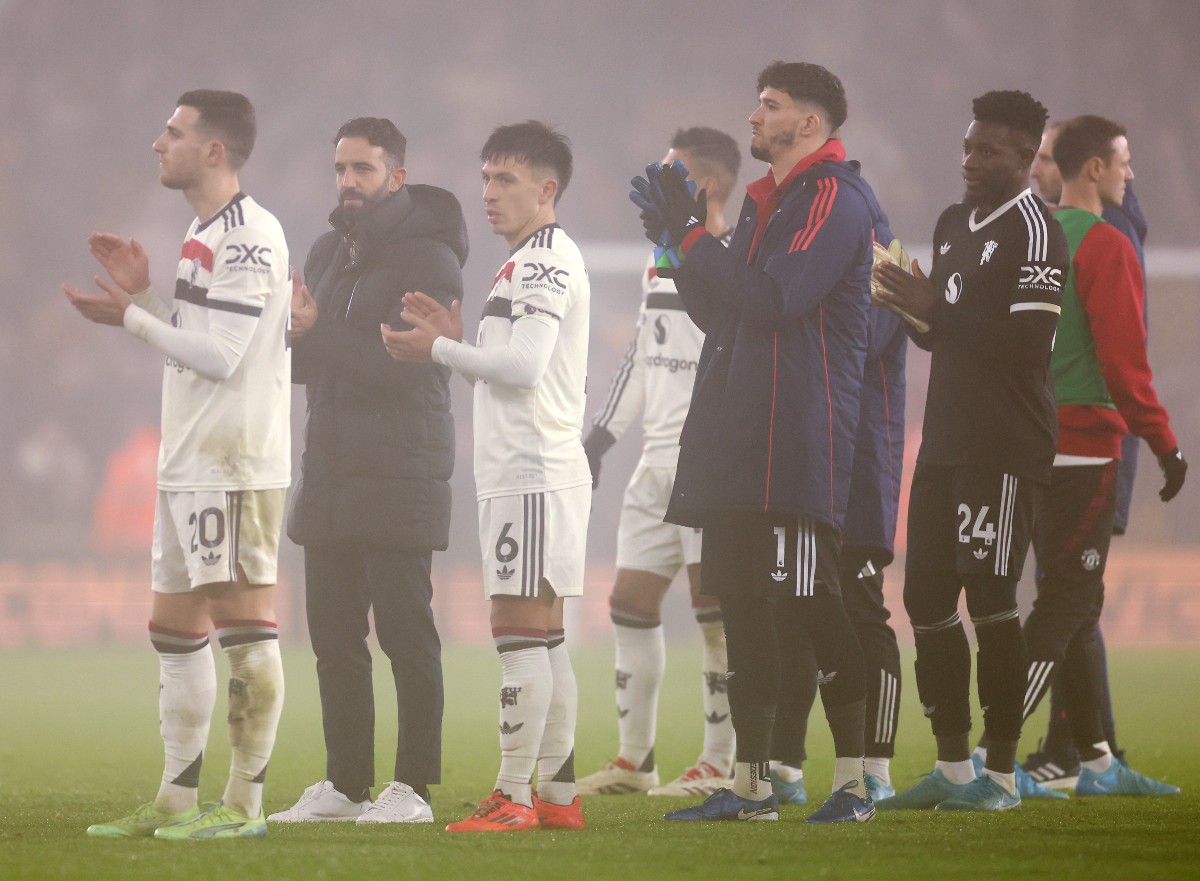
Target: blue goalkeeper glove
{"points": [[682, 208], [642, 195]]}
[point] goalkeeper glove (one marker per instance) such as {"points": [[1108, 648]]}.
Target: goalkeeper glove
{"points": [[894, 253], [642, 195], [1174, 469], [681, 207]]}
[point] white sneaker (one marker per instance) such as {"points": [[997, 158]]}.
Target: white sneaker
{"points": [[702, 779], [397, 804], [321, 803], [617, 778]]}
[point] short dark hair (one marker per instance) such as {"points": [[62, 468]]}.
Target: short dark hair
{"points": [[378, 133], [226, 116], [1020, 111], [536, 144], [1083, 138], [807, 82], [713, 153]]}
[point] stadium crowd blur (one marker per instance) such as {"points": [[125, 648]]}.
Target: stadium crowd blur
{"points": [[82, 98]]}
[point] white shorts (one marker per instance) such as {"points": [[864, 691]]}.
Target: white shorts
{"points": [[644, 541], [202, 537], [532, 538]]}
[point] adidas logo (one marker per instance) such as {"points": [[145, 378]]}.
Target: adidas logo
{"points": [[505, 728], [928, 709], [779, 574], [714, 719], [212, 558], [825, 678], [980, 553], [504, 573], [621, 714], [945, 248]]}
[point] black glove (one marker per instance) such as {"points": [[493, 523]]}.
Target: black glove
{"points": [[1174, 469], [595, 445], [642, 196], [681, 211]]}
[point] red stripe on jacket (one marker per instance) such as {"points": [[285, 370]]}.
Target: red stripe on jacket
{"points": [[829, 401], [826, 196]]}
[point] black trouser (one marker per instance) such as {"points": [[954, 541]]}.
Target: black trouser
{"points": [[862, 595], [343, 583], [767, 628], [968, 532], [1071, 540]]}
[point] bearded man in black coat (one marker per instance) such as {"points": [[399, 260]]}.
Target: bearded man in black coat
{"points": [[373, 499]]}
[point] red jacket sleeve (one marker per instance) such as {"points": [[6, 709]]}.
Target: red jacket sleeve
{"points": [[1108, 282]]}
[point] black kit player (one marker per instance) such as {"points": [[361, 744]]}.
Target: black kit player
{"points": [[992, 302]]}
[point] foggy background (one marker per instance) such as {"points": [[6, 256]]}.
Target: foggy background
{"points": [[86, 88]]}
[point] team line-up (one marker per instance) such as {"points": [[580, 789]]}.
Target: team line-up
{"points": [[767, 370]]}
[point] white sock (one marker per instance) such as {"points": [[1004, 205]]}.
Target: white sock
{"points": [[956, 772], [255, 704], [879, 768], [556, 758], [641, 659], [187, 694], [525, 692], [1007, 782], [1101, 763], [786, 773], [750, 780], [718, 723], [848, 771]]}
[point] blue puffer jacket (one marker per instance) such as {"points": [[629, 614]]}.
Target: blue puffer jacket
{"points": [[775, 406]]}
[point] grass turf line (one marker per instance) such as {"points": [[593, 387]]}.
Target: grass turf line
{"points": [[79, 744]]}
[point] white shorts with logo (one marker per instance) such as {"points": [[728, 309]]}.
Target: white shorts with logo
{"points": [[536, 537], [644, 541], [202, 537]]}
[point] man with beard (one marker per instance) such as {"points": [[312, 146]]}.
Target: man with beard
{"points": [[373, 500], [992, 303], [767, 447]]}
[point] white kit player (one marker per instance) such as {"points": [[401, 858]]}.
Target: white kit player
{"points": [[223, 469], [529, 368], [654, 382]]}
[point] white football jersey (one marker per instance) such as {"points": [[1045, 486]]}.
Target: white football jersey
{"points": [[529, 440], [655, 378], [233, 434]]}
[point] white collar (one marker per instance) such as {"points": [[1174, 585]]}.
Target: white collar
{"points": [[976, 226]]}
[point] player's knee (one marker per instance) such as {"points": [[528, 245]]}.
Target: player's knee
{"points": [[929, 608]]}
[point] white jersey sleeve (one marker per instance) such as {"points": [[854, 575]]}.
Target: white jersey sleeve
{"points": [[522, 362]]}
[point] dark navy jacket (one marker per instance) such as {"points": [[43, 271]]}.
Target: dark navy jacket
{"points": [[879, 444], [1128, 218], [775, 406]]}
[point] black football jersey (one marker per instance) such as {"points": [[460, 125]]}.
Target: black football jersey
{"points": [[991, 393]]}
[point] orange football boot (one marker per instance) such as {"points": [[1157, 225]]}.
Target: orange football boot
{"points": [[498, 813], [552, 816]]}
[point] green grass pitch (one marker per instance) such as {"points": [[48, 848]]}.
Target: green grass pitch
{"points": [[79, 743]]}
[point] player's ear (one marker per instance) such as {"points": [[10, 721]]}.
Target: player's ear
{"points": [[215, 152], [396, 178], [549, 190]]}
